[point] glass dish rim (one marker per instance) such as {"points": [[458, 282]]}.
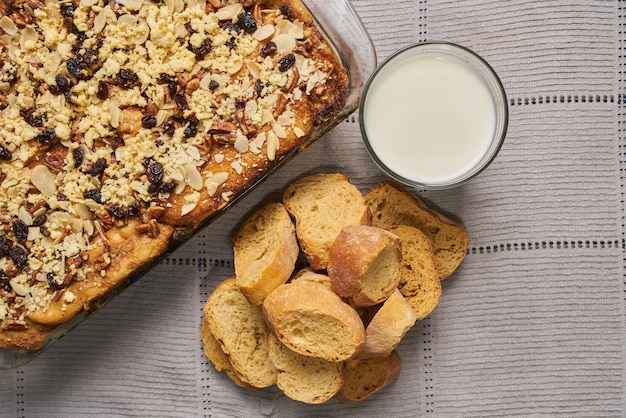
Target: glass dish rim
{"points": [[491, 153]]}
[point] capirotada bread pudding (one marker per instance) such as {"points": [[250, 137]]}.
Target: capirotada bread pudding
{"points": [[125, 121]]}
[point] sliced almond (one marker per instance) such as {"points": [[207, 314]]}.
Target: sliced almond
{"points": [[43, 179], [229, 12]]}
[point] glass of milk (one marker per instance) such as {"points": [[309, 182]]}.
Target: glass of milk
{"points": [[434, 115]]}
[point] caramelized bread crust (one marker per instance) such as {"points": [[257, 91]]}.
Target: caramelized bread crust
{"points": [[123, 123]]}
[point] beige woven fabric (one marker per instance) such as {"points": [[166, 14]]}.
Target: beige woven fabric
{"points": [[532, 324]]}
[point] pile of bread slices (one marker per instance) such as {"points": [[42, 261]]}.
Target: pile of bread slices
{"points": [[329, 327]]}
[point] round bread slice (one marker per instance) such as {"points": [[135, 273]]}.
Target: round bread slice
{"points": [[302, 378], [213, 351], [309, 318], [392, 205], [388, 326], [265, 252], [365, 264], [365, 377], [240, 329], [322, 204], [420, 283]]}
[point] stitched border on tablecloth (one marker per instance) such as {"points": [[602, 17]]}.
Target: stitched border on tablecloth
{"points": [[569, 98]]}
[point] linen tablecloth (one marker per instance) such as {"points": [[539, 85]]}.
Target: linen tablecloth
{"points": [[532, 323]]}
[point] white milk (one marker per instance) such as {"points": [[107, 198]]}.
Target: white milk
{"points": [[429, 119]]}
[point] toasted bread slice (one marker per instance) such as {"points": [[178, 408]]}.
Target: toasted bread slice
{"points": [[265, 252], [392, 205], [388, 326], [240, 329], [309, 318], [213, 351], [364, 264], [420, 283], [303, 378], [322, 205], [365, 377]]}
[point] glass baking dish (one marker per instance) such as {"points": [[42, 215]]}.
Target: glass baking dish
{"points": [[340, 23]]}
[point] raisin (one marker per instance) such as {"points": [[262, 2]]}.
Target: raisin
{"points": [[63, 84], [286, 62], [285, 10], [169, 129], [325, 113], [52, 283], [213, 85], [231, 27], [5, 154], [94, 195], [67, 10], [258, 87], [103, 90], [268, 49], [134, 210], [126, 78], [90, 56], [40, 220], [20, 229], [247, 22], [69, 97], [97, 168], [181, 101], [161, 188], [118, 211], [76, 67], [240, 104], [232, 43], [5, 247], [19, 257], [203, 49], [149, 121], [44, 231], [189, 28], [5, 282], [46, 136], [30, 117], [79, 155], [155, 173], [166, 79]]}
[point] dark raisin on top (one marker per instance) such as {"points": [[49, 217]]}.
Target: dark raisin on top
{"points": [[213, 85], [181, 101], [5, 247], [31, 118], [247, 22], [126, 78], [97, 168], [203, 49], [103, 90], [268, 49], [94, 195], [285, 10], [286, 62], [67, 10], [155, 172], [40, 220], [118, 211], [192, 127], [46, 136], [230, 26], [5, 154], [149, 121], [52, 283], [79, 155], [169, 128], [77, 68], [19, 257], [20, 229], [5, 282]]}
